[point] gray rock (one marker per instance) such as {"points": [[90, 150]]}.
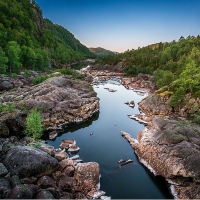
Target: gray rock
{"points": [[6, 85], [45, 182], [4, 188], [48, 149], [21, 192], [3, 170], [14, 180], [27, 161]]}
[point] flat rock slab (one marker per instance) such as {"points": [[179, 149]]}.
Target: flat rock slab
{"points": [[26, 161]]}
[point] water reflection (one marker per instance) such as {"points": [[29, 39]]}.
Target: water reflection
{"points": [[106, 146]]}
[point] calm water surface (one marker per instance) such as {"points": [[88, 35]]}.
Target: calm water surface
{"points": [[106, 146]]}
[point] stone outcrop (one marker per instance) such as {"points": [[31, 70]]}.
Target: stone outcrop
{"points": [[171, 149], [62, 99], [31, 173], [26, 161], [12, 123]]}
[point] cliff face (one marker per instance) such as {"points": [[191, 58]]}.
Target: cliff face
{"points": [[39, 19]]}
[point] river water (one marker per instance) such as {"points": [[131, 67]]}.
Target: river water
{"points": [[106, 146]]}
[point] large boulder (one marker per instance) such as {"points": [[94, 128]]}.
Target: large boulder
{"points": [[87, 176], [26, 161]]}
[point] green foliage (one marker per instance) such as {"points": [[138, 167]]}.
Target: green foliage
{"points": [[27, 73], [163, 77], [68, 71], [197, 118], [38, 144], [13, 53], [27, 41], [91, 89], [3, 62], [34, 124], [8, 107], [40, 79], [79, 65], [178, 97]]}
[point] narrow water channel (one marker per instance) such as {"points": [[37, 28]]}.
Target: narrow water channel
{"points": [[106, 146]]}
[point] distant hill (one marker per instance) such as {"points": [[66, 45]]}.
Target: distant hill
{"points": [[99, 51]]}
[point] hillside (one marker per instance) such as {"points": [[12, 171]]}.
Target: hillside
{"points": [[101, 52], [27, 41], [175, 67]]}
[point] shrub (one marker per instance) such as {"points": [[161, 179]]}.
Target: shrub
{"points": [[34, 124], [8, 107], [40, 79], [27, 73], [68, 71]]}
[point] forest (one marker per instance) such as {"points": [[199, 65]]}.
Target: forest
{"points": [[175, 67], [27, 41]]}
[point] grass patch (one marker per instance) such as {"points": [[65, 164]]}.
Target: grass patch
{"points": [[8, 107]]}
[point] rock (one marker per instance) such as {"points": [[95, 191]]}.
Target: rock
{"points": [[27, 161], [73, 149], [53, 135], [60, 155], [64, 163], [65, 143], [48, 149], [30, 180], [68, 171], [3, 170], [44, 194], [45, 182], [105, 198], [12, 123], [172, 151], [21, 192], [87, 176], [126, 162], [4, 188], [95, 194], [14, 181], [55, 192], [67, 195], [5, 85], [67, 184], [63, 100], [75, 157], [132, 104]]}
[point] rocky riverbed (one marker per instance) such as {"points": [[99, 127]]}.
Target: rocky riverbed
{"points": [[45, 173]]}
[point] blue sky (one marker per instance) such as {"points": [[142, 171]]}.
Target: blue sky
{"points": [[119, 25]]}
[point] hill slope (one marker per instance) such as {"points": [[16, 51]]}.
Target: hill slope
{"points": [[27, 41], [99, 51]]}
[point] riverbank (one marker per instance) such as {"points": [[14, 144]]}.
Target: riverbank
{"points": [[169, 146], [45, 173]]}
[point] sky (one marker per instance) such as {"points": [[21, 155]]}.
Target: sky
{"points": [[119, 25]]}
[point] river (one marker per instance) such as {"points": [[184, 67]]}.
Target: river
{"points": [[106, 146]]}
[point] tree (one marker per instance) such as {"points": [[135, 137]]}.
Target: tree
{"points": [[34, 124], [165, 56], [3, 62], [13, 53]]}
